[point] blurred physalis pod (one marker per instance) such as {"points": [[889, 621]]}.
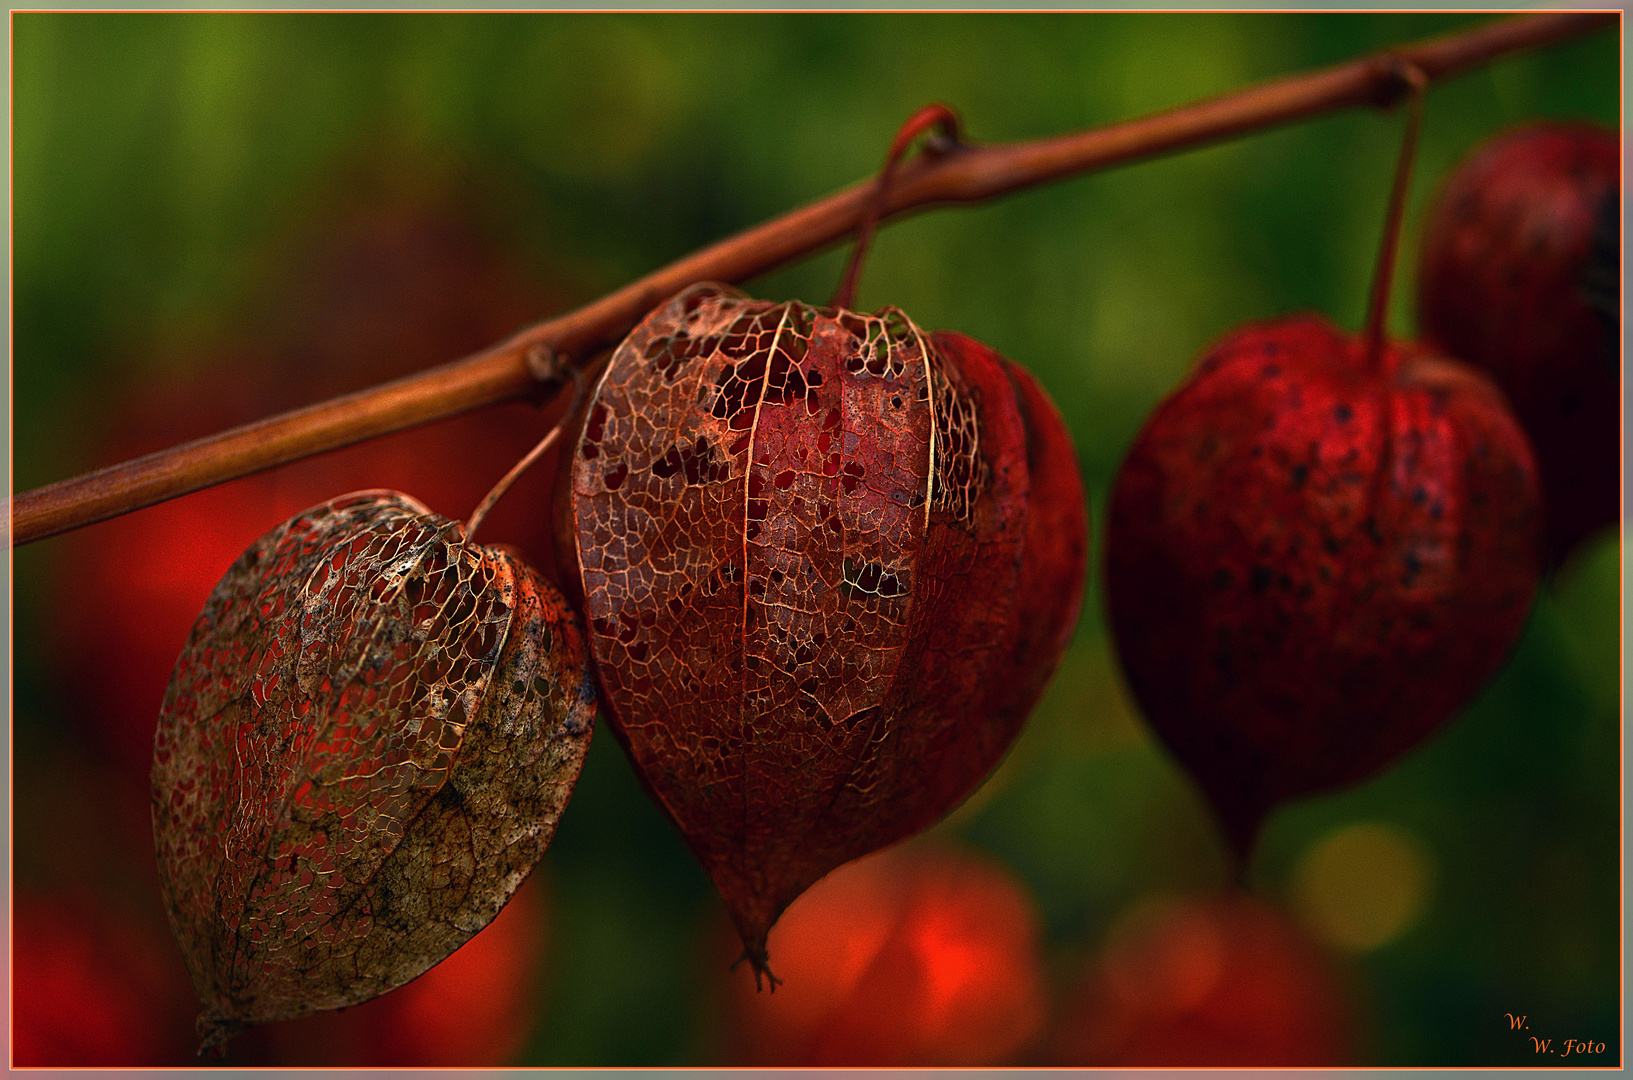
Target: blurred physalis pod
{"points": [[364, 749]]}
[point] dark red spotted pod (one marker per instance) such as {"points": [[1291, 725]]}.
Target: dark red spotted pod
{"points": [[1318, 549], [827, 562], [365, 747], [1312, 563], [1520, 276]]}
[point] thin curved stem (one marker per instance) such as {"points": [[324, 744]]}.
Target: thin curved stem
{"points": [[969, 174], [1384, 275], [499, 489], [933, 115]]}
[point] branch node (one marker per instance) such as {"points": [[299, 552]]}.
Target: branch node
{"points": [[546, 364], [1398, 79]]}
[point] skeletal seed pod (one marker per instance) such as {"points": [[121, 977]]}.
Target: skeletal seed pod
{"points": [[828, 562], [366, 745]]}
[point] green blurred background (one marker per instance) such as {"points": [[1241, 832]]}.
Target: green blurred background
{"points": [[220, 216]]}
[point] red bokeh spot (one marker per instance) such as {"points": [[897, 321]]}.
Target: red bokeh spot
{"points": [[924, 956], [1206, 983], [90, 988]]}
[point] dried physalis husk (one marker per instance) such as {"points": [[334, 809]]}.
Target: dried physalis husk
{"points": [[364, 749], [828, 563]]}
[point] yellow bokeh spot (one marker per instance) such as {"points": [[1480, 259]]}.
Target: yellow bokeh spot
{"points": [[1362, 886]]}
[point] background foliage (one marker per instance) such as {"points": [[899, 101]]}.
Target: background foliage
{"points": [[218, 216]]}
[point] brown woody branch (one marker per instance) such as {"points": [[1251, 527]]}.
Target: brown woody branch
{"points": [[521, 367]]}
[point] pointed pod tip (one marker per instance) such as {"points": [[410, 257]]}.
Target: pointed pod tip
{"points": [[214, 1030], [1241, 822], [755, 953]]}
